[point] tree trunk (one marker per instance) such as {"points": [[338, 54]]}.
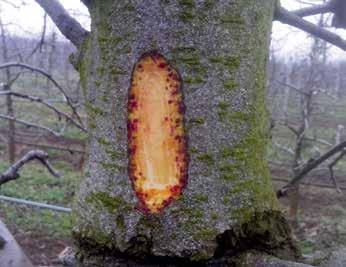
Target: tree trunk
{"points": [[219, 49], [9, 101], [51, 60]]}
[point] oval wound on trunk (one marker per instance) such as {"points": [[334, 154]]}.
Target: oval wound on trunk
{"points": [[158, 160]]}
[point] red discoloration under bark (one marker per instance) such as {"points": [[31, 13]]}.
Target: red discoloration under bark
{"points": [[158, 159]]}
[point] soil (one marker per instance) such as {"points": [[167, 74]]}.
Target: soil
{"points": [[321, 225], [42, 250]]}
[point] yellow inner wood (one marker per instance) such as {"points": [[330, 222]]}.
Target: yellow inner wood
{"points": [[157, 148]]}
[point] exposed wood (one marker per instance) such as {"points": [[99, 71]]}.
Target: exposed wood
{"points": [[157, 139]]}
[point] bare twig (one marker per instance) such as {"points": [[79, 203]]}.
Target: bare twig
{"points": [[290, 127], [10, 3], [41, 41], [318, 140], [70, 150], [284, 148], [289, 18], [308, 167], [339, 129], [29, 124], [291, 87], [315, 9], [308, 184], [48, 105], [325, 92], [12, 172], [68, 26], [44, 73], [331, 171]]}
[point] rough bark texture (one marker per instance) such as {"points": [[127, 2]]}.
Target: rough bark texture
{"points": [[220, 50]]}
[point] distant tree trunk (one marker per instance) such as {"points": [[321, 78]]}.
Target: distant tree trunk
{"points": [[220, 50], [338, 83], [51, 58], [11, 128], [294, 205], [9, 103]]}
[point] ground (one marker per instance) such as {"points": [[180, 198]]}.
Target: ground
{"points": [[322, 218], [44, 234]]}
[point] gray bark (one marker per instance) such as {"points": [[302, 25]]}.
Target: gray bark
{"points": [[66, 24], [220, 49]]}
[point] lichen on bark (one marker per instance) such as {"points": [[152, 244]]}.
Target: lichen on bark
{"points": [[220, 49]]}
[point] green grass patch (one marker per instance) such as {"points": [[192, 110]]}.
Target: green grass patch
{"points": [[37, 184]]}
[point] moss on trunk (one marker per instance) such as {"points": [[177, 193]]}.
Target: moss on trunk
{"points": [[220, 50], [267, 233]]}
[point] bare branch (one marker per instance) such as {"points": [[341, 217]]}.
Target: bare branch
{"points": [[48, 105], [318, 140], [290, 127], [314, 10], [44, 73], [12, 172], [339, 129], [288, 150], [291, 87], [70, 150], [289, 18], [68, 26], [30, 124], [11, 4], [308, 167], [42, 39], [331, 170], [339, 18], [308, 184], [323, 91]]}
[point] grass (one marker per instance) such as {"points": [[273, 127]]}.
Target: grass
{"points": [[37, 184]]}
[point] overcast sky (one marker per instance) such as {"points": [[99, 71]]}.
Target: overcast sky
{"points": [[28, 18]]}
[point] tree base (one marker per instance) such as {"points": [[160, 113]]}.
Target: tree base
{"points": [[268, 233], [246, 259]]}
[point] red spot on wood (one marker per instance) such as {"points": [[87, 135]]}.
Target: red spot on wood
{"points": [[157, 174]]}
